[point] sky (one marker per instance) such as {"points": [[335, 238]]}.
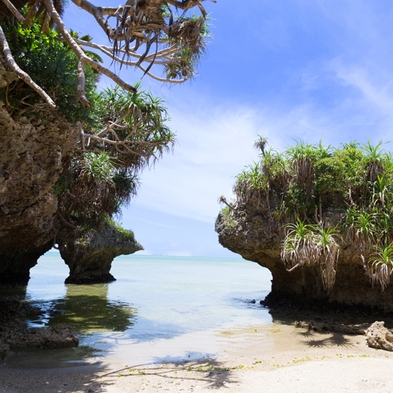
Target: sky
{"points": [[287, 70]]}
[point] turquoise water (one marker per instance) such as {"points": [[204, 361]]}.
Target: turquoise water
{"points": [[154, 299]]}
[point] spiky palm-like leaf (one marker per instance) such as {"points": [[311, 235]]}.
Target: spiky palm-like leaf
{"points": [[381, 265], [308, 245]]}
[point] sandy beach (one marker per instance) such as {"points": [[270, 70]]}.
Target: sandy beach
{"points": [[271, 358]]}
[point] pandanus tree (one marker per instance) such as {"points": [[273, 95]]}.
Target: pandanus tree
{"points": [[146, 34], [122, 129], [103, 174], [324, 198]]}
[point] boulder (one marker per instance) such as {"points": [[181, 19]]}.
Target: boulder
{"points": [[379, 337], [59, 336]]}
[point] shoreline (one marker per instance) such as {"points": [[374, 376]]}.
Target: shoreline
{"points": [[271, 357]]}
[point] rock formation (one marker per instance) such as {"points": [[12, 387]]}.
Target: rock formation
{"points": [[379, 337], [36, 145], [90, 255], [15, 333], [251, 229]]}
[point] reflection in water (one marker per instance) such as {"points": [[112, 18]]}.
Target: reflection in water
{"points": [[84, 307], [15, 293], [174, 297], [87, 309]]}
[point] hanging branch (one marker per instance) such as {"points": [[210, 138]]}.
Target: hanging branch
{"points": [[162, 54], [22, 74], [14, 11], [141, 30], [79, 52], [144, 33]]}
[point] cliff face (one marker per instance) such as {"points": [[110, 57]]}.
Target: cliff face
{"points": [[252, 230], [34, 147], [31, 159]]}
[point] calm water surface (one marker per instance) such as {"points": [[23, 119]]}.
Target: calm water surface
{"points": [[153, 301]]}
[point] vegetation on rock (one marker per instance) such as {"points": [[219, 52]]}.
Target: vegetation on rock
{"points": [[46, 69], [325, 198], [121, 132], [148, 35]]}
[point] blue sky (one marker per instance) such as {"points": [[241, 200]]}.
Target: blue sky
{"points": [[287, 70]]}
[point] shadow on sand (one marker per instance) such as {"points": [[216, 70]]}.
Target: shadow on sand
{"points": [[29, 375], [207, 372], [66, 379], [332, 339]]}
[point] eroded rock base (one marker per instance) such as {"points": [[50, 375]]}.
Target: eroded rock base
{"points": [[15, 335]]}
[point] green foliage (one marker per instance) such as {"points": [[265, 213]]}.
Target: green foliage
{"points": [[141, 122], [309, 245], [229, 221], [99, 166], [60, 186], [126, 234], [382, 264], [328, 175], [226, 211], [193, 31], [250, 178], [307, 181], [103, 174], [52, 65]]}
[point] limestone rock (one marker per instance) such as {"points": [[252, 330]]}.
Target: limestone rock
{"points": [[378, 336], [90, 256], [59, 336], [34, 148], [252, 230], [37, 143]]}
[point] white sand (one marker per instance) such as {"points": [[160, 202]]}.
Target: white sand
{"points": [[270, 358]]}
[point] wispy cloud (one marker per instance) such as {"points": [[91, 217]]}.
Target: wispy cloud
{"points": [[304, 70], [374, 92], [214, 144]]}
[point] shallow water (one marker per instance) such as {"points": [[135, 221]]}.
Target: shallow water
{"points": [[155, 304]]}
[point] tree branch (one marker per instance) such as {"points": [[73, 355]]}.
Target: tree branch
{"points": [[107, 50], [96, 12], [79, 52], [80, 88], [293, 268], [22, 74], [161, 54], [141, 25], [14, 11]]}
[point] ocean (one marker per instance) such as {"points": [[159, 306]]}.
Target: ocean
{"points": [[159, 308]]}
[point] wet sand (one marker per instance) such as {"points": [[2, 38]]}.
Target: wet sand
{"points": [[272, 358]]}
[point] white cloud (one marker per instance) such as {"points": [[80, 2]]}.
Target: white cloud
{"points": [[377, 93], [213, 146], [215, 143]]}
